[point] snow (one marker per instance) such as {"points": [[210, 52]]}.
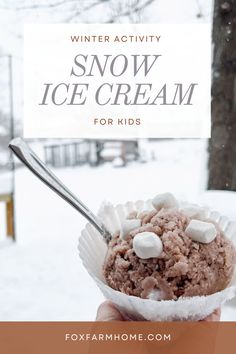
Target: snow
{"points": [[3, 131], [42, 277], [6, 183]]}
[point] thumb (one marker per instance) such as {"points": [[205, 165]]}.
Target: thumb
{"points": [[108, 312], [213, 317]]}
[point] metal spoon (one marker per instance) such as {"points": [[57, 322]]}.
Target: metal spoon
{"points": [[32, 161]]}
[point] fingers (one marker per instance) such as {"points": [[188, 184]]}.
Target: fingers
{"points": [[108, 312], [214, 316]]}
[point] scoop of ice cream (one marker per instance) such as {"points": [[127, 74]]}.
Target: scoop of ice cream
{"points": [[185, 267]]}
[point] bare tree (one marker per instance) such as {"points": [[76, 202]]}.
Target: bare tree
{"points": [[222, 145], [132, 9], [71, 10]]}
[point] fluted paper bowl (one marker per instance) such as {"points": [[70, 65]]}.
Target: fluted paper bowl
{"points": [[92, 250]]}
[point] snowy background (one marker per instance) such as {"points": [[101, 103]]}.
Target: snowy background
{"points": [[41, 275]]}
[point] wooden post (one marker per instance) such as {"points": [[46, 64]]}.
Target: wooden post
{"points": [[10, 218], [9, 207]]}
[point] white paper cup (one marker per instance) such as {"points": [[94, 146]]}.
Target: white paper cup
{"points": [[92, 250]]}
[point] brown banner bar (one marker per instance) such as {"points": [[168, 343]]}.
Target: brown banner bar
{"points": [[117, 337]]}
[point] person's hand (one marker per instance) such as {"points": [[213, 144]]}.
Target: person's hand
{"points": [[213, 317], [108, 312]]}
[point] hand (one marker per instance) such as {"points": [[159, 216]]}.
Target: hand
{"points": [[108, 312], [214, 316]]}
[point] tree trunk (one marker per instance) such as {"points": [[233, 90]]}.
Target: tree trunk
{"points": [[222, 145]]}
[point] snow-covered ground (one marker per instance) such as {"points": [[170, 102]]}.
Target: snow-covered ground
{"points": [[41, 275]]}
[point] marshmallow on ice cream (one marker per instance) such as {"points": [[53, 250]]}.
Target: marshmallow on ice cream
{"points": [[165, 254]]}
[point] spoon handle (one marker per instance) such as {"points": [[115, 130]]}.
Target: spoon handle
{"points": [[32, 161]]}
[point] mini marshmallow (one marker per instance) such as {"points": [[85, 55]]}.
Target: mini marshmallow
{"points": [[165, 200], [201, 231], [127, 226], [147, 245], [193, 211]]}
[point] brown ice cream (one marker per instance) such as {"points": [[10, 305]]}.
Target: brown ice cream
{"points": [[184, 268]]}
